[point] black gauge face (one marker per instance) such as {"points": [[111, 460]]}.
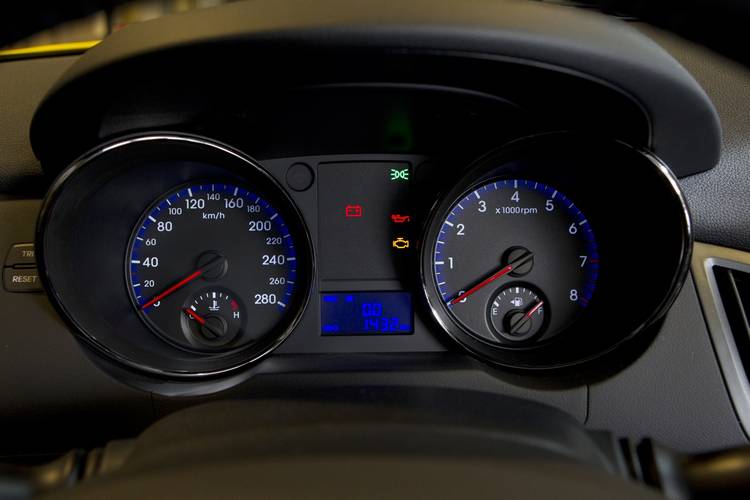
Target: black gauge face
{"points": [[212, 266], [514, 261]]}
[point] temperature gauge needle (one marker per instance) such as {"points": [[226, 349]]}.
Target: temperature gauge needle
{"points": [[499, 274], [526, 317], [197, 317]]}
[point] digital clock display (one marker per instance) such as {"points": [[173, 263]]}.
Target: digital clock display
{"points": [[366, 313]]}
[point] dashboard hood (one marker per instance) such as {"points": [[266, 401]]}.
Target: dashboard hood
{"points": [[684, 129]]}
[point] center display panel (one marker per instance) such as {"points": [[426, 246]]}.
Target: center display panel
{"points": [[367, 313]]}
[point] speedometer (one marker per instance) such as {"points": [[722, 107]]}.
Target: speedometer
{"points": [[212, 266], [514, 261]]}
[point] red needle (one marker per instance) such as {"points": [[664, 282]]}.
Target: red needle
{"points": [[502, 272], [172, 289], [535, 308], [197, 317]]}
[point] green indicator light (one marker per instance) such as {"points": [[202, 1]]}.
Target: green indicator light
{"points": [[401, 174]]}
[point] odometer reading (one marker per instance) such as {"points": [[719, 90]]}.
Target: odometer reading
{"points": [[515, 261], [212, 266]]}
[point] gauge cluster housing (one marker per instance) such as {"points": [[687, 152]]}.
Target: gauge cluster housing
{"points": [[516, 91], [629, 196]]}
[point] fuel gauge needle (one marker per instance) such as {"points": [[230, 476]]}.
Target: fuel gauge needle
{"points": [[499, 274], [526, 317]]}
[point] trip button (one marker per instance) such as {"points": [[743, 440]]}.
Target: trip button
{"points": [[21, 255], [21, 280]]}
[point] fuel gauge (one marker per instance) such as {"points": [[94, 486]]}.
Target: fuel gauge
{"points": [[517, 313]]}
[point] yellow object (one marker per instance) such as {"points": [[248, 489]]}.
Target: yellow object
{"points": [[400, 243], [55, 49]]}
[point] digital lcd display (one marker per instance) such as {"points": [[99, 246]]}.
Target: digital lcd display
{"points": [[366, 313]]}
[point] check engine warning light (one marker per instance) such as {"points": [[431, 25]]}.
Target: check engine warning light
{"points": [[353, 211], [400, 219], [400, 243]]}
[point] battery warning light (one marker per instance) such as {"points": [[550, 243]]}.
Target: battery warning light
{"points": [[353, 211]]}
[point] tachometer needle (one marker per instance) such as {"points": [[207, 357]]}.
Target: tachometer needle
{"points": [[499, 274], [197, 317]]}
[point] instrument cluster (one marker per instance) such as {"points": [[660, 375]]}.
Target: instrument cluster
{"points": [[179, 256]]}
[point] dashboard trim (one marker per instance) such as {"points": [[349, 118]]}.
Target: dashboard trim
{"points": [[570, 40]]}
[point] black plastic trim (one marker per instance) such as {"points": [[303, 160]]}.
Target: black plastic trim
{"points": [[686, 131]]}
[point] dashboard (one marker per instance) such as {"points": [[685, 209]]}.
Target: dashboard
{"points": [[222, 258], [230, 205]]}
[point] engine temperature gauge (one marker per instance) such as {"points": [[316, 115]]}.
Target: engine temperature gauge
{"points": [[516, 313], [212, 318]]}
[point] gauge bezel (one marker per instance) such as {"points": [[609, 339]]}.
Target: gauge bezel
{"points": [[545, 336], [216, 160], [523, 159]]}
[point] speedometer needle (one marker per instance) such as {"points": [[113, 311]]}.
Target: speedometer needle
{"points": [[499, 274], [184, 281], [173, 288]]}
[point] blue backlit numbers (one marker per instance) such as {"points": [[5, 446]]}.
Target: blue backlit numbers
{"points": [[366, 313], [373, 320], [369, 310]]}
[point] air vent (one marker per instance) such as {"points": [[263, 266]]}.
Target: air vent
{"points": [[722, 279], [734, 292]]}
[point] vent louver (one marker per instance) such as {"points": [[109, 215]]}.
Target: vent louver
{"points": [[722, 280], [734, 291]]}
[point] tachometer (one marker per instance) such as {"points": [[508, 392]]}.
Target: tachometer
{"points": [[514, 261], [212, 266]]}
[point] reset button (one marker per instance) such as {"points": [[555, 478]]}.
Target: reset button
{"points": [[21, 280]]}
